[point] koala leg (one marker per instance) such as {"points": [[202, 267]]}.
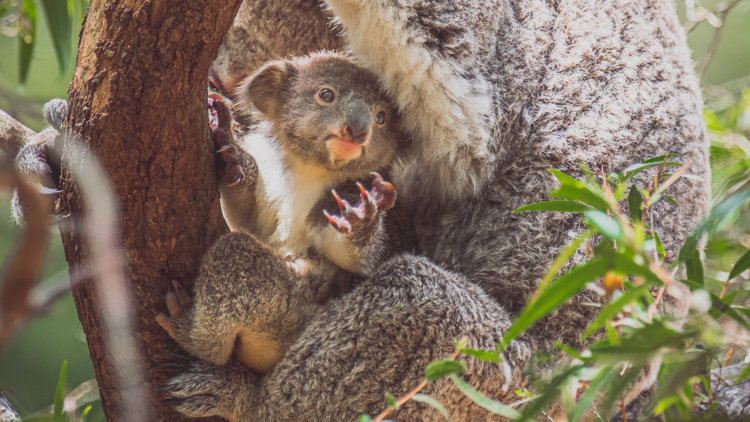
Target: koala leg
{"points": [[375, 339], [247, 302]]}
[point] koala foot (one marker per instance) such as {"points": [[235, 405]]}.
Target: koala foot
{"points": [[227, 162], [203, 389], [377, 200], [178, 302]]}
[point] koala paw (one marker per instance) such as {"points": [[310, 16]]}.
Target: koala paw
{"points": [[203, 389], [227, 162], [377, 200], [178, 302]]}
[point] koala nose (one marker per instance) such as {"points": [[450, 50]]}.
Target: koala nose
{"points": [[357, 125]]}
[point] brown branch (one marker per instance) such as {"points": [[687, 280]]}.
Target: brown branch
{"points": [[21, 270], [13, 135]]}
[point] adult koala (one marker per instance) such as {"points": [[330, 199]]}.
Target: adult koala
{"points": [[493, 94]]}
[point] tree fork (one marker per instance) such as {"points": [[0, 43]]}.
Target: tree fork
{"points": [[138, 101]]}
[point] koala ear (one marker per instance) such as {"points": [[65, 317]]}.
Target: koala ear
{"points": [[265, 87]]}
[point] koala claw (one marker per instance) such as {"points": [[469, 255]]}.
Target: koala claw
{"points": [[227, 163], [178, 302], [380, 198], [197, 390]]}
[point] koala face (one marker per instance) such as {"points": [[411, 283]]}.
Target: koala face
{"points": [[327, 111]]}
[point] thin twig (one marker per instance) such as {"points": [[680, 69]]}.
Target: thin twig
{"points": [[714, 44], [408, 396]]}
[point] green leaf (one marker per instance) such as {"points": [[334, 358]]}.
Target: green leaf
{"points": [[721, 306], [670, 199], [364, 418], [57, 415], [485, 355], [742, 376], [59, 22], [424, 398], [634, 204], [604, 224], [742, 264], [481, 400], [694, 268], [614, 308], [659, 245], [442, 368], [718, 212], [85, 413], [631, 171], [556, 206], [390, 401], [574, 190], [29, 16], [555, 295]]}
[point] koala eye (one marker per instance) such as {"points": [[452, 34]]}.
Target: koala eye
{"points": [[380, 117], [326, 95]]}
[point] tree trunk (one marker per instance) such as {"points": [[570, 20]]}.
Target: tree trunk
{"points": [[138, 100]]}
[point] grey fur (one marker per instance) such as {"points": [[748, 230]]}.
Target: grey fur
{"points": [[493, 94]]}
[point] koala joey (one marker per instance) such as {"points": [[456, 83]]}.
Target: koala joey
{"points": [[325, 124]]}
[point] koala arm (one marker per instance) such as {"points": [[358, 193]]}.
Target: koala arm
{"points": [[38, 158]]}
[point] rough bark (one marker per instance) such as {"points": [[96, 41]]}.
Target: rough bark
{"points": [[138, 100]]}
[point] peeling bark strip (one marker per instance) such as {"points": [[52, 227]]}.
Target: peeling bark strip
{"points": [[138, 100]]}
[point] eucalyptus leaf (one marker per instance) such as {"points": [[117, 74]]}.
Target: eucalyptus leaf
{"points": [[556, 206], [575, 190], [29, 15], [485, 355], [742, 264], [60, 23], [424, 398], [555, 295], [485, 402], [442, 368], [635, 201], [605, 224], [57, 414], [694, 267]]}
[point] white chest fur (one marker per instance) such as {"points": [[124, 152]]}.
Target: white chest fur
{"points": [[287, 191]]}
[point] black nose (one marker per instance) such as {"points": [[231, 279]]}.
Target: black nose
{"points": [[356, 126]]}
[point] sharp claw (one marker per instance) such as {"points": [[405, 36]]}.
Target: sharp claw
{"points": [[214, 96], [176, 285], [236, 182], [363, 192], [225, 148], [48, 191], [330, 218], [388, 185], [343, 204]]}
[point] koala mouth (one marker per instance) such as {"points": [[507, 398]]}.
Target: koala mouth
{"points": [[342, 149]]}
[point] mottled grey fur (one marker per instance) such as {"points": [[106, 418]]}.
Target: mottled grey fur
{"points": [[493, 94]]}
